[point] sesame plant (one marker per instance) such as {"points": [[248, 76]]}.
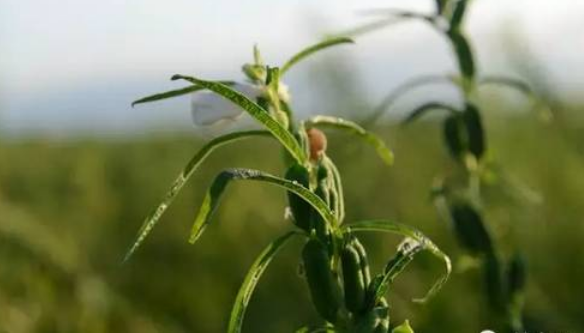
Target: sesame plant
{"points": [[334, 262], [457, 195]]}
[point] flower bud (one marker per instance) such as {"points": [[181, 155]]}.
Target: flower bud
{"points": [[317, 142]]}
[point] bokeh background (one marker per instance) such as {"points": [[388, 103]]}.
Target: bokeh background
{"points": [[80, 168]]}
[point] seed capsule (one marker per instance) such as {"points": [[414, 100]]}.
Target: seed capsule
{"points": [[353, 281], [470, 229], [454, 136], [516, 275], [322, 282], [301, 210], [474, 128]]}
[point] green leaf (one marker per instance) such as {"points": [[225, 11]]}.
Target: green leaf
{"points": [[218, 186], [340, 123], [251, 279], [464, 55], [256, 111], [405, 254], [183, 177], [313, 49], [173, 93], [511, 82], [403, 328], [421, 110], [401, 90], [392, 16], [407, 231]]}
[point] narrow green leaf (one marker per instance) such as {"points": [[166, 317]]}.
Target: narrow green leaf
{"points": [[511, 82], [464, 55], [183, 177], [405, 254], [392, 16], [173, 93], [313, 49], [256, 111], [218, 186], [407, 231], [251, 279], [423, 109], [167, 94], [353, 128], [389, 100]]}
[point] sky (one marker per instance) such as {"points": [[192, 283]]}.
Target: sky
{"points": [[74, 66]]}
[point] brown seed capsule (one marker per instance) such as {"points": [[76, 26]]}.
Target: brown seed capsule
{"points": [[317, 141]]}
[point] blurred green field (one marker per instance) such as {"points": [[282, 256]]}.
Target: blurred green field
{"points": [[70, 209]]}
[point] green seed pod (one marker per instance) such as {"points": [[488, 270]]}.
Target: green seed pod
{"points": [[322, 282], [475, 132], [458, 15], [463, 54], [301, 210], [454, 136], [516, 275], [323, 191], [470, 229], [362, 259], [353, 280], [493, 282]]}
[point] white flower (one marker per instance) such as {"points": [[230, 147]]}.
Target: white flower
{"points": [[207, 107]]}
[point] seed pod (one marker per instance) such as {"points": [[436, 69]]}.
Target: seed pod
{"points": [[362, 260], [458, 14], [516, 275], [353, 280], [470, 229], [493, 282], [454, 136], [323, 191], [475, 132], [301, 210], [463, 55], [322, 282]]}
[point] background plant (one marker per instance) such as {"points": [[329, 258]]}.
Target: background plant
{"points": [[457, 195], [334, 261]]}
